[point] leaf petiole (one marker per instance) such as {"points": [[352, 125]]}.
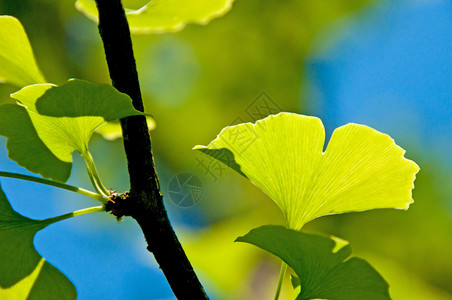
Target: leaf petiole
{"points": [[282, 274], [101, 198], [74, 214]]}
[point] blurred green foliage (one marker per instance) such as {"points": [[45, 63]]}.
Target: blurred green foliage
{"points": [[203, 78]]}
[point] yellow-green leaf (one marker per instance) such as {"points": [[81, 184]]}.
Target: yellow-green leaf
{"points": [[18, 65], [159, 16], [282, 154]]}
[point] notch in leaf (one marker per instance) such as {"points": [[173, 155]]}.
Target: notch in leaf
{"points": [[322, 267], [282, 154]]}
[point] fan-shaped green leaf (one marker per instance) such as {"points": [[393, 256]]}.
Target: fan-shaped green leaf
{"points": [[18, 65], [323, 270], [24, 273], [159, 16], [50, 122], [283, 155]]}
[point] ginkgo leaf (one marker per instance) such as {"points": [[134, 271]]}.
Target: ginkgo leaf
{"points": [[282, 154], [25, 274], [50, 122], [18, 65], [159, 16], [322, 267]]}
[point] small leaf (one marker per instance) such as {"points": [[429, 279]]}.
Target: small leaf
{"points": [[205, 247], [52, 121], [159, 16], [18, 65], [25, 274], [283, 155], [324, 271], [112, 130]]}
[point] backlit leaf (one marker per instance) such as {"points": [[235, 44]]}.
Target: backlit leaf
{"points": [[24, 273], [159, 16], [18, 65], [323, 270], [50, 122], [282, 154], [213, 254]]}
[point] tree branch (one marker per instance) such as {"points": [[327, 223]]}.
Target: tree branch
{"points": [[145, 202]]}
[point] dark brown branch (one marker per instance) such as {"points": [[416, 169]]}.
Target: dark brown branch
{"points": [[145, 199]]}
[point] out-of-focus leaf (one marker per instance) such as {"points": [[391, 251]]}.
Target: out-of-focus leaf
{"points": [[159, 16], [112, 130], [24, 273], [213, 254], [404, 283], [50, 122], [324, 271], [283, 155], [18, 65]]}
